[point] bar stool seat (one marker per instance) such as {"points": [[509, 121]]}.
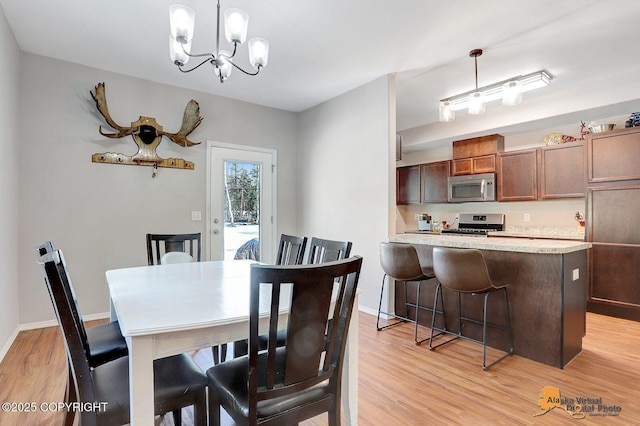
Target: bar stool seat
{"points": [[400, 262], [464, 271]]}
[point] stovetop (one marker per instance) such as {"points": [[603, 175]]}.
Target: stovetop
{"points": [[477, 224]]}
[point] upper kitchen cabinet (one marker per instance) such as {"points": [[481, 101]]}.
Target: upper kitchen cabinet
{"points": [[562, 170], [517, 175], [476, 155], [614, 156], [408, 185], [469, 166], [434, 181]]}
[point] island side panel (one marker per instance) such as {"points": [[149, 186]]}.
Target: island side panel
{"points": [[575, 304]]}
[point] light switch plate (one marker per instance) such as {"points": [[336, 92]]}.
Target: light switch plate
{"points": [[196, 216], [576, 274]]}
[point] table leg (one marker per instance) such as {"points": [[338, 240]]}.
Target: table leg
{"points": [[350, 371], [141, 380]]}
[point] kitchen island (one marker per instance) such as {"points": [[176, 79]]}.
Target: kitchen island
{"points": [[547, 293]]}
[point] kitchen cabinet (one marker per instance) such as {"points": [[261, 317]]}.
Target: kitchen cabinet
{"points": [[433, 180], [474, 165], [408, 185], [478, 147], [613, 209], [615, 255], [614, 156], [517, 175], [562, 170]]}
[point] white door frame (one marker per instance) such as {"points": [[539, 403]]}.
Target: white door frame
{"points": [[268, 251]]}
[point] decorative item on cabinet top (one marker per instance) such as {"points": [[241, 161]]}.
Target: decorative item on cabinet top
{"points": [[558, 138], [147, 134]]}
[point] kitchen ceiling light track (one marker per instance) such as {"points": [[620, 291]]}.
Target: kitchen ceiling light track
{"points": [[509, 90], [182, 19]]}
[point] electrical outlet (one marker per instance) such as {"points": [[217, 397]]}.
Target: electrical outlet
{"points": [[196, 216], [527, 217]]}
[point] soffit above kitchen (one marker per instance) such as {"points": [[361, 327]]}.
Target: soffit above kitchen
{"points": [[319, 50]]}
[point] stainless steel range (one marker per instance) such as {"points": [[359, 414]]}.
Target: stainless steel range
{"points": [[477, 224]]}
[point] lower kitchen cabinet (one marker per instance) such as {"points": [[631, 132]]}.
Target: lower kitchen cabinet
{"points": [[613, 210], [614, 287]]}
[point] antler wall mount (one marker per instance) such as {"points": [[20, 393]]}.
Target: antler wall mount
{"points": [[147, 134]]}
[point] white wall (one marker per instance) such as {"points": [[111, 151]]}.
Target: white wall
{"points": [[9, 78], [98, 214], [344, 169]]}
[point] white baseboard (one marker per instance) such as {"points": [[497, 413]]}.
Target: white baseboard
{"points": [[7, 345], [366, 310], [54, 323], [42, 324]]}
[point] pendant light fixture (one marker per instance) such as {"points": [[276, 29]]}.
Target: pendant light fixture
{"points": [[476, 99], [510, 91], [236, 21]]}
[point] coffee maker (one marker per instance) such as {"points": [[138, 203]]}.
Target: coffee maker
{"points": [[424, 222]]}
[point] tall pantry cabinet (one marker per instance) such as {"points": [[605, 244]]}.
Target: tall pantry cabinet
{"points": [[613, 222]]}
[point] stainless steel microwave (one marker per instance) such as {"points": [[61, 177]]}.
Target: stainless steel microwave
{"points": [[481, 187]]}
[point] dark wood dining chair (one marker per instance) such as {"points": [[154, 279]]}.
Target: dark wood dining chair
{"points": [[102, 343], [321, 250], [286, 385], [160, 244], [290, 252], [178, 381]]}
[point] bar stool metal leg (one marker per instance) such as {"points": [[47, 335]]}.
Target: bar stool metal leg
{"points": [[401, 318], [434, 311], [484, 331]]}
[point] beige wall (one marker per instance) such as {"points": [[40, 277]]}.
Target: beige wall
{"points": [[98, 214], [344, 164], [9, 79]]}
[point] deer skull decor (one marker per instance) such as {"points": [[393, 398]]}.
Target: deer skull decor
{"points": [[147, 134]]}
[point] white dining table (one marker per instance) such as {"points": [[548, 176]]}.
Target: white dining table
{"points": [[169, 309]]}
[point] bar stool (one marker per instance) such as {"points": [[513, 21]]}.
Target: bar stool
{"points": [[464, 271], [400, 262]]}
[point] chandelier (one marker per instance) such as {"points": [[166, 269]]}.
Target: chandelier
{"points": [[510, 91], [236, 21]]}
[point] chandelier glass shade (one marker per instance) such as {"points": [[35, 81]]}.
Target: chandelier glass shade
{"points": [[236, 22], [510, 91]]}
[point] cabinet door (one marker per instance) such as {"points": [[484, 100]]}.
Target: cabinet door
{"points": [[562, 170], [463, 166], [484, 164], [614, 287], [434, 182], [517, 176], [614, 155], [408, 185], [613, 213]]}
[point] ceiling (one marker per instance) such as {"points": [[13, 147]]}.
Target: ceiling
{"points": [[321, 49]]}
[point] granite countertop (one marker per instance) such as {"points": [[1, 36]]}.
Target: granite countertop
{"points": [[523, 245], [554, 233]]}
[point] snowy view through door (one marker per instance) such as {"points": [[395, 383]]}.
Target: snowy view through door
{"points": [[241, 210]]}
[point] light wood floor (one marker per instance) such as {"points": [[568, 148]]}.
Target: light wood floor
{"points": [[404, 384]]}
